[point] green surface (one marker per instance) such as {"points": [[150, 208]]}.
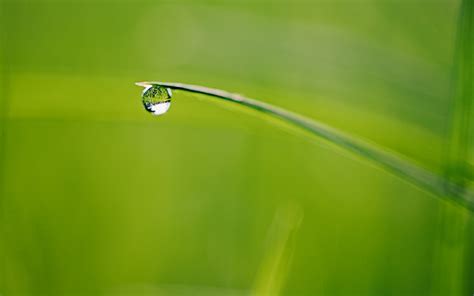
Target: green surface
{"points": [[98, 197]]}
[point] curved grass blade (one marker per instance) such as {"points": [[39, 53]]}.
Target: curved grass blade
{"points": [[419, 176]]}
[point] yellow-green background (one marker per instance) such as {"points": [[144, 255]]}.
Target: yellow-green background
{"points": [[100, 198]]}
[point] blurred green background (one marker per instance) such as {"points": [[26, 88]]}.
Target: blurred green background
{"points": [[100, 198]]}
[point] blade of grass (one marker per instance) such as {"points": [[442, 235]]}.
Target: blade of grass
{"points": [[417, 175], [458, 169]]}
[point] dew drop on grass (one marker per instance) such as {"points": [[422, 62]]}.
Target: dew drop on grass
{"points": [[156, 99]]}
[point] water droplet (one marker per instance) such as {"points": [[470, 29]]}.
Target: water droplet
{"points": [[156, 99]]}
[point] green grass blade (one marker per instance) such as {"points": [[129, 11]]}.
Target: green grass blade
{"points": [[461, 134], [417, 175]]}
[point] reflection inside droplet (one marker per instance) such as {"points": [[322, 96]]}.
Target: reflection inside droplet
{"points": [[158, 108], [156, 98]]}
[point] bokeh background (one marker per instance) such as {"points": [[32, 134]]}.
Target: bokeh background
{"points": [[100, 198]]}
